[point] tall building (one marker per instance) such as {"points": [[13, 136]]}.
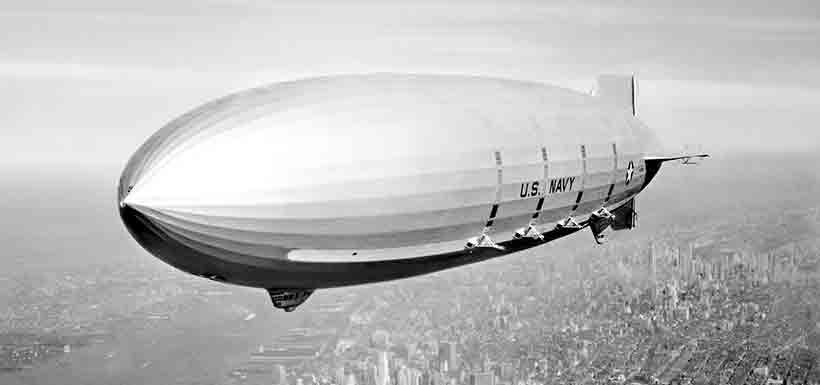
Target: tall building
{"points": [[436, 378], [340, 376], [694, 265], [403, 376], [651, 263], [415, 377], [408, 376], [426, 378], [772, 270], [280, 375], [447, 356], [382, 369], [371, 375], [507, 371], [484, 362], [411, 350], [680, 265]]}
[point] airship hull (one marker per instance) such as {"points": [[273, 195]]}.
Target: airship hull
{"points": [[353, 179]]}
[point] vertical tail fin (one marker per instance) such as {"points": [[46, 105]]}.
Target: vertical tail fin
{"points": [[618, 90]]}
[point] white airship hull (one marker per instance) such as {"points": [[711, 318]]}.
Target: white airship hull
{"points": [[344, 180]]}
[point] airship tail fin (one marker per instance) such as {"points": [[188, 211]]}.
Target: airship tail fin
{"points": [[689, 154], [653, 163], [619, 90]]}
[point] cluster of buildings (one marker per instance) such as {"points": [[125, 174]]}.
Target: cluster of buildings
{"points": [[677, 309]]}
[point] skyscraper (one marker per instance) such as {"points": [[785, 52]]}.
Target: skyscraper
{"points": [[408, 376], [382, 369], [280, 375], [652, 264], [426, 378], [403, 376], [447, 356], [340, 375], [680, 265], [371, 375]]}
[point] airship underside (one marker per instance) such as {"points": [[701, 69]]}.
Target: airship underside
{"points": [[353, 179]]}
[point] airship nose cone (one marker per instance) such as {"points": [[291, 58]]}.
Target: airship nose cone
{"points": [[124, 187], [122, 196], [183, 167], [192, 252]]}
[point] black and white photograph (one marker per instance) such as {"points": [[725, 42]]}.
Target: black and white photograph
{"points": [[396, 192]]}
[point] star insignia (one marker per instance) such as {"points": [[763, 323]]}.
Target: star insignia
{"points": [[630, 171]]}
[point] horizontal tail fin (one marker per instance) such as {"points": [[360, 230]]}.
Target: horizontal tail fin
{"points": [[653, 163], [684, 158]]}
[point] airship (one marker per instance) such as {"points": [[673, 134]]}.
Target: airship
{"points": [[351, 179]]}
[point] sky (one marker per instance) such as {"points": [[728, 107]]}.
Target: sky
{"points": [[84, 83]]}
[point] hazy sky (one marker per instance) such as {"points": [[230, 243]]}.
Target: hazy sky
{"points": [[87, 81]]}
